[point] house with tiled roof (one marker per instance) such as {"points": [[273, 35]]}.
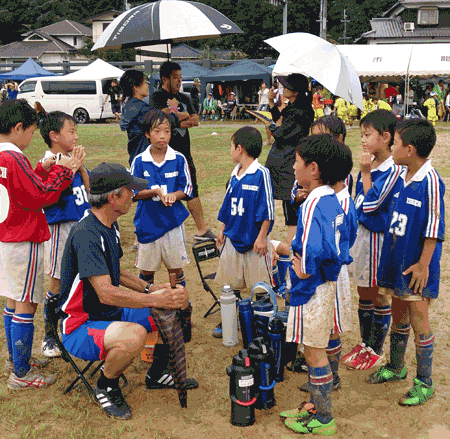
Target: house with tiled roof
{"points": [[54, 43], [411, 21]]}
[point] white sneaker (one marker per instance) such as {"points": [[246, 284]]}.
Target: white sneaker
{"points": [[37, 363], [50, 348], [32, 380]]}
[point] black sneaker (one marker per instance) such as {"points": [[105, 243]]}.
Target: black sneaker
{"points": [[209, 235], [165, 381], [113, 402], [298, 365]]}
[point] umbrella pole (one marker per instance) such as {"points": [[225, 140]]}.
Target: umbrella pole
{"points": [[168, 52]]}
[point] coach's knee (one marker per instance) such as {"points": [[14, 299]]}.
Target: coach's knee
{"points": [[129, 338]]}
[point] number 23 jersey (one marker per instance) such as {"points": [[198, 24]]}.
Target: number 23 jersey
{"points": [[416, 212], [248, 202]]}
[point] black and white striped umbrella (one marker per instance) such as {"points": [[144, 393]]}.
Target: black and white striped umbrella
{"points": [[165, 21]]}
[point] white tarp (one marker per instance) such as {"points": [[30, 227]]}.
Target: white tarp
{"points": [[99, 69]]}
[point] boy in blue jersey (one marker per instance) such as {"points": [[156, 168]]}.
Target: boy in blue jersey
{"points": [[409, 269], [160, 213], [373, 194], [247, 214], [320, 248], [59, 131]]}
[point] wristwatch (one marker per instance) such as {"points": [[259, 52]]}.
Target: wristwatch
{"points": [[147, 288]]}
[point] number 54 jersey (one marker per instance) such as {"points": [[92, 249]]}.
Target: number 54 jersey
{"points": [[248, 202], [416, 212]]}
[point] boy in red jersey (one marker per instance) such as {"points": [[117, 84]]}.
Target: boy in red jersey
{"points": [[23, 230]]}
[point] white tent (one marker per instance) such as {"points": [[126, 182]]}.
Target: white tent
{"points": [[98, 69], [430, 60], [386, 60]]}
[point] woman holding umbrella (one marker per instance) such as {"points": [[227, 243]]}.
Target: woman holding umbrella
{"points": [[296, 120]]}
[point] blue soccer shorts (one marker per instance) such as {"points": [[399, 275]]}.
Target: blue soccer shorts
{"points": [[86, 342]]}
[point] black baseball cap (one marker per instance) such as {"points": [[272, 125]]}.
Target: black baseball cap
{"points": [[295, 82], [107, 177]]}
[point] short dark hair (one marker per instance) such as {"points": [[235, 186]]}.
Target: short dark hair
{"points": [[53, 121], [334, 124], [167, 68], [16, 111], [419, 133], [250, 139], [153, 118], [334, 158], [381, 121], [131, 78]]}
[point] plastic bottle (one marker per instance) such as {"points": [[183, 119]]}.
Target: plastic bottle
{"points": [[229, 317], [246, 319]]}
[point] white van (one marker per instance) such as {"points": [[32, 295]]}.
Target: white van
{"points": [[81, 98]]}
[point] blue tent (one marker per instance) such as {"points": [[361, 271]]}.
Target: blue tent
{"points": [[29, 69], [241, 71], [190, 70]]}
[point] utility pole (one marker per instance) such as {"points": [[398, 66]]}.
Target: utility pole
{"points": [[285, 4], [345, 21], [323, 19]]}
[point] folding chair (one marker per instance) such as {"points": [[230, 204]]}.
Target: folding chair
{"points": [[205, 251], [53, 313]]}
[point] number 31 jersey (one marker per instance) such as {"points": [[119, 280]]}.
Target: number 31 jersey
{"points": [[72, 203], [416, 212], [248, 202]]}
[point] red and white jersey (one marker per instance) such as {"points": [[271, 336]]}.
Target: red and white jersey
{"points": [[23, 194]]}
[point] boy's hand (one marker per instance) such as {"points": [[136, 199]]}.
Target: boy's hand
{"points": [[168, 199], [296, 265], [275, 256], [365, 164], [48, 164], [78, 155], [220, 240], [68, 162], [301, 194], [419, 277], [260, 246]]}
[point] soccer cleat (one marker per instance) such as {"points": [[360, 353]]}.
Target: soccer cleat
{"points": [[420, 393], [353, 353], [165, 381], [366, 359], [298, 365], [113, 402], [306, 411], [312, 426], [50, 348], [32, 380], [385, 374], [209, 235], [336, 385], [217, 332], [36, 363]]}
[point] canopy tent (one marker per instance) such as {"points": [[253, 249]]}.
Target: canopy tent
{"points": [[430, 60], [29, 69], [241, 71], [190, 70], [98, 69], [389, 61]]}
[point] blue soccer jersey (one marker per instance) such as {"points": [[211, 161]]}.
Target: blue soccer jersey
{"points": [[248, 202], [152, 219], [373, 208], [417, 213], [350, 222], [320, 241], [72, 204]]}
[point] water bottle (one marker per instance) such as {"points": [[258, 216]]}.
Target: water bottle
{"points": [[242, 390], [277, 334], [262, 357], [229, 317], [246, 319]]}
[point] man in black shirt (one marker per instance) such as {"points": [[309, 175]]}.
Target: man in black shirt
{"points": [[114, 96], [170, 100], [195, 95], [107, 308]]}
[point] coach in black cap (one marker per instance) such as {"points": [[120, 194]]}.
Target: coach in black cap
{"points": [[106, 308], [297, 118]]}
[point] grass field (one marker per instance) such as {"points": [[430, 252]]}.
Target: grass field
{"points": [[361, 410]]}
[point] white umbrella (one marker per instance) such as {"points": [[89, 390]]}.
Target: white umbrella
{"points": [[313, 56], [165, 21]]}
